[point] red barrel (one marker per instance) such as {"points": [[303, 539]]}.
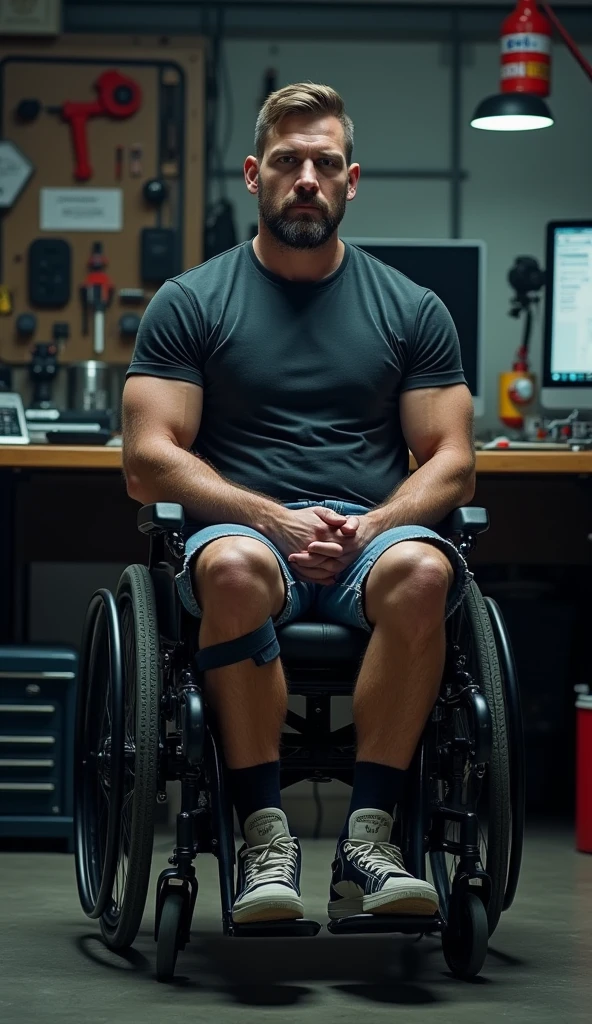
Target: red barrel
{"points": [[525, 46], [584, 774]]}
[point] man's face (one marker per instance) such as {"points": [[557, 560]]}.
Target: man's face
{"points": [[303, 182]]}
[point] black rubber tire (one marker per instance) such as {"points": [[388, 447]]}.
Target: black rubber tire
{"points": [[167, 946], [496, 782], [516, 745], [466, 950], [136, 605]]}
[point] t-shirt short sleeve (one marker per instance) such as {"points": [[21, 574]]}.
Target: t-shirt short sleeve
{"points": [[169, 342], [434, 358]]}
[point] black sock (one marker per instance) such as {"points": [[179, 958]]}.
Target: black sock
{"points": [[254, 788], [375, 785]]}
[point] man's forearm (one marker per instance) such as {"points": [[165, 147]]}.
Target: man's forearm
{"points": [[169, 473], [443, 483]]}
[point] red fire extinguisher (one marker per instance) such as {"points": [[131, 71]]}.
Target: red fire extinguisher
{"points": [[526, 51]]}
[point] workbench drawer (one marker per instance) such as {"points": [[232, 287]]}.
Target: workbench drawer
{"points": [[37, 710], [40, 715], [27, 798], [24, 744]]}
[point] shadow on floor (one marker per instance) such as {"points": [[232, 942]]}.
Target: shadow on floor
{"points": [[266, 972]]}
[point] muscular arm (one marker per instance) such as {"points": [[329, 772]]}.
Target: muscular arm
{"points": [[437, 424], [161, 419]]}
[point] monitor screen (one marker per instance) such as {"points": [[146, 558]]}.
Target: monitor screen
{"points": [[568, 305], [455, 271]]}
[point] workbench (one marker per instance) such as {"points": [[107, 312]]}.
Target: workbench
{"points": [[69, 504]]}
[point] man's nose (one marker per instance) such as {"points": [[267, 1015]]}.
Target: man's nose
{"points": [[308, 176]]}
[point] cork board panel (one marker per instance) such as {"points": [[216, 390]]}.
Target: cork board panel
{"points": [[53, 77]]}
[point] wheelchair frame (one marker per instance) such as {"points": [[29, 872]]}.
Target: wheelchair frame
{"points": [[191, 754]]}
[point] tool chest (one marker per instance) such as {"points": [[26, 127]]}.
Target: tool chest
{"points": [[37, 715]]}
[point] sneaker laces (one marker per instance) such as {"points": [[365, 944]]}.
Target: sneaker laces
{"points": [[381, 858], [275, 860]]}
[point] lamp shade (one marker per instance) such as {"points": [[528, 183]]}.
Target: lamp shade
{"points": [[512, 112]]}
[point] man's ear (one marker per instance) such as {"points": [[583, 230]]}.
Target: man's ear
{"points": [[353, 178], [251, 170]]}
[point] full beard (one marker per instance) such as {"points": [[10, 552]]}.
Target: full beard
{"points": [[301, 230]]}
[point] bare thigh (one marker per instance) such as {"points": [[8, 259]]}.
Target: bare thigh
{"points": [[240, 551]]}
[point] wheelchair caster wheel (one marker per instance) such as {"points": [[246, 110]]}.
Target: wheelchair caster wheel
{"points": [[167, 945], [465, 945]]}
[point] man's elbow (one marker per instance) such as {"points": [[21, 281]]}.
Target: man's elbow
{"points": [[469, 484], [137, 485]]}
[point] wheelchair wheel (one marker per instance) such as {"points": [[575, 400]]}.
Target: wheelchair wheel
{"points": [[136, 606], [516, 744], [98, 755], [167, 946], [488, 797], [465, 945]]}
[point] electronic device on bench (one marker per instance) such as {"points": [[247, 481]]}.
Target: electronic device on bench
{"points": [[567, 351], [13, 425], [455, 270], [68, 426]]}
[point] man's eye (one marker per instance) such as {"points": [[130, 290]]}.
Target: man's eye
{"points": [[326, 160], [282, 158]]}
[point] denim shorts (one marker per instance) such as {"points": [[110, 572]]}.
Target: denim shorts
{"points": [[342, 601]]}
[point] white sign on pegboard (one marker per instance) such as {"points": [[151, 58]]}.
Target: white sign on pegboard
{"points": [[15, 171], [30, 17], [80, 209]]}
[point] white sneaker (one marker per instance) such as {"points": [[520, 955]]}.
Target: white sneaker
{"points": [[268, 884]]}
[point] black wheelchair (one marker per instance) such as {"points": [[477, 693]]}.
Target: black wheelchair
{"points": [[142, 720]]}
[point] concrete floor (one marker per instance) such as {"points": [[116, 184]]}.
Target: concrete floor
{"points": [[54, 966]]}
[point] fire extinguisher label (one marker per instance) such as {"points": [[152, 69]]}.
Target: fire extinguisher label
{"points": [[536, 69], [525, 42], [525, 69]]}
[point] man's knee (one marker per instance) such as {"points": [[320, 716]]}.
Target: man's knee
{"points": [[237, 565], [411, 578]]}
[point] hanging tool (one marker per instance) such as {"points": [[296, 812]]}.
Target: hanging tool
{"points": [[516, 387], [118, 96], [42, 371], [135, 160], [118, 163], [5, 301], [96, 293]]}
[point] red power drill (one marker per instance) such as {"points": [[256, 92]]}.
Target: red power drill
{"points": [[118, 96]]}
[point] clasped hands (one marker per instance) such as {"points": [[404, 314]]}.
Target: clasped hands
{"points": [[352, 536]]}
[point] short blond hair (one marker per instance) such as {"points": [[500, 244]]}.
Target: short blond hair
{"points": [[302, 98]]}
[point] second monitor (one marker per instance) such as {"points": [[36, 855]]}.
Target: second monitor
{"points": [[455, 270]]}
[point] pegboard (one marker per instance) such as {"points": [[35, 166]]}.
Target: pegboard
{"points": [[168, 128]]}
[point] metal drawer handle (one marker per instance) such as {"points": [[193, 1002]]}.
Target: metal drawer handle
{"points": [[36, 787], [13, 741], [28, 709], [36, 675], [19, 762]]}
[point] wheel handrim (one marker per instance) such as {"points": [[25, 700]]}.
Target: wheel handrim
{"points": [[113, 911], [99, 756], [474, 792]]}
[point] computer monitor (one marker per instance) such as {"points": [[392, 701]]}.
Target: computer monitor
{"points": [[567, 352], [455, 270]]}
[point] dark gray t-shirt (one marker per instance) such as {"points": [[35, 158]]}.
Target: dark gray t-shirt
{"points": [[301, 380]]}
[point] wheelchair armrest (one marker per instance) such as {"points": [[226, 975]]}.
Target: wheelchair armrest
{"points": [[160, 517], [465, 520]]}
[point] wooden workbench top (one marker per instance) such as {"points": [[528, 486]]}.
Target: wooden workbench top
{"points": [[54, 456]]}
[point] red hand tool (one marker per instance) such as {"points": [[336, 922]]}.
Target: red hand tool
{"points": [[117, 96], [96, 293]]}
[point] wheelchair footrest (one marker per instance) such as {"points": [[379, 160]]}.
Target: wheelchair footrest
{"points": [[283, 929], [410, 924]]}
